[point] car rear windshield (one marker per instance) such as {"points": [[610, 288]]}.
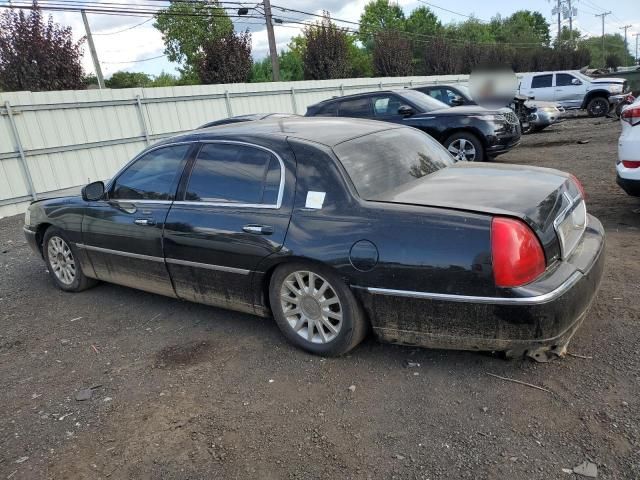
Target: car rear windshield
{"points": [[383, 161]]}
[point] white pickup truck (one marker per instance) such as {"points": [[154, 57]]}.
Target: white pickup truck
{"points": [[574, 90]]}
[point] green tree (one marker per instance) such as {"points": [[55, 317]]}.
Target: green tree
{"points": [[359, 59], [522, 27], [128, 80], [379, 15], [613, 45], [422, 21], [165, 80], [187, 26]]}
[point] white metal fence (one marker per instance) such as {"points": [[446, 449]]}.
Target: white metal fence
{"points": [[52, 141]]}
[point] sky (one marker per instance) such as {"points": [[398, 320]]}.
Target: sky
{"points": [[123, 43]]}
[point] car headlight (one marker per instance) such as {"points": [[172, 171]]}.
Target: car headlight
{"points": [[27, 217], [615, 88], [492, 117]]}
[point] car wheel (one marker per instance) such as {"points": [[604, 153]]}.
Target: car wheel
{"points": [[315, 310], [598, 107], [465, 147], [62, 262]]}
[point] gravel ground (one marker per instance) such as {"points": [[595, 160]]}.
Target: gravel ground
{"points": [[188, 391]]}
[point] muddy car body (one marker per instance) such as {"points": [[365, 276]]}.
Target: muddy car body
{"points": [[355, 224]]}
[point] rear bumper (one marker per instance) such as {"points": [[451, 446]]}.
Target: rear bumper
{"points": [[632, 187], [544, 314]]}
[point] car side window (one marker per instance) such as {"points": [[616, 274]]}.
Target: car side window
{"points": [[386, 105], [357, 107], [439, 94], [564, 79], [541, 81], [231, 173], [154, 176], [329, 110]]}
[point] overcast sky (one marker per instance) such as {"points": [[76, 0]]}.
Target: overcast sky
{"points": [[124, 50]]}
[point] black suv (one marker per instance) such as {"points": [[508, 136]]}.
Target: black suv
{"points": [[470, 133]]}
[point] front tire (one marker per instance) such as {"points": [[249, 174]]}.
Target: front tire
{"points": [[315, 310], [61, 260], [598, 107], [465, 147]]}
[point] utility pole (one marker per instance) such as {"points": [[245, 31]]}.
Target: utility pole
{"points": [[636, 57], [559, 13], [570, 21], [273, 51], [92, 49], [626, 47], [604, 63]]}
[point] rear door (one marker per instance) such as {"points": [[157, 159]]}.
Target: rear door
{"points": [[359, 107], [566, 93], [541, 87], [122, 234], [231, 213]]}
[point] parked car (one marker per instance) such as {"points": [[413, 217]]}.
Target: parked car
{"points": [[628, 165], [575, 90], [247, 118], [470, 133], [334, 226], [539, 114]]}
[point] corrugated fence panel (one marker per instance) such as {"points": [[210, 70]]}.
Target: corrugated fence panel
{"points": [[72, 137]]}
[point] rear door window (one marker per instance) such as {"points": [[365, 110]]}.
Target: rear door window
{"points": [[357, 107], [541, 81]]}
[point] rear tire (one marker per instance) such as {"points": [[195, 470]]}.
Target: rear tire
{"points": [[598, 107], [61, 259], [315, 310], [465, 147]]}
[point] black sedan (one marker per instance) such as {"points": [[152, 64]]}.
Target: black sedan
{"points": [[470, 133], [336, 226]]}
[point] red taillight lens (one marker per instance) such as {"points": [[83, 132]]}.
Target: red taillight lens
{"points": [[579, 185], [631, 115], [631, 163], [516, 253]]}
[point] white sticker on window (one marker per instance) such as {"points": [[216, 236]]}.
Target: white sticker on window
{"points": [[315, 199]]}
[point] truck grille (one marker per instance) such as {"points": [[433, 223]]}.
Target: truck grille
{"points": [[511, 117]]}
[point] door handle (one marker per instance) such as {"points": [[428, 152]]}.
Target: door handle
{"points": [[144, 221], [258, 229]]}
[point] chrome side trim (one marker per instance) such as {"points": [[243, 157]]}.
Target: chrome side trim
{"points": [[536, 300], [208, 266], [120, 253]]}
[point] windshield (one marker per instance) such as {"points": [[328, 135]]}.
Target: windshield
{"points": [[582, 77], [384, 161], [464, 90], [423, 101]]}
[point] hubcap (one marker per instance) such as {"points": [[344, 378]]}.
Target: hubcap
{"points": [[462, 150], [61, 259], [311, 307]]}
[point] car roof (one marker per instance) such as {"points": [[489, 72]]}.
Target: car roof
{"points": [[328, 131], [356, 95]]}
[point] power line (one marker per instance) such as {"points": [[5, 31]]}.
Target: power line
{"points": [[126, 29], [451, 11], [136, 61]]}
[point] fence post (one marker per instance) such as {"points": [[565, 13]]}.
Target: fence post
{"points": [[227, 98], [293, 100], [143, 122], [342, 89], [23, 159]]}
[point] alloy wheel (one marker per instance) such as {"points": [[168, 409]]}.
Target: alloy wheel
{"points": [[311, 307], [462, 150], [61, 260]]}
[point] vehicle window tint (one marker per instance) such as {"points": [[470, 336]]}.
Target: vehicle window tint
{"points": [[439, 94], [329, 110], [153, 176], [386, 105], [563, 79], [385, 161], [358, 107], [234, 173], [541, 81]]}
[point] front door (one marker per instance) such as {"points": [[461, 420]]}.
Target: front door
{"points": [[385, 107], [122, 234], [566, 93], [233, 210]]}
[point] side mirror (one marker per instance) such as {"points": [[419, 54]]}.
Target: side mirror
{"points": [[405, 111], [457, 101], [575, 81], [93, 191]]}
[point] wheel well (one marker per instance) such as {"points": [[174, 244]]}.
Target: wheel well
{"points": [[470, 131], [40, 231], [591, 95]]}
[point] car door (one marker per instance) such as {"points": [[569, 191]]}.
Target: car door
{"points": [[232, 212], [568, 94], [385, 107], [359, 107], [541, 87], [122, 234]]}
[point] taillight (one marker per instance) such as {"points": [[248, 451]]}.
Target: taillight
{"points": [[631, 115], [516, 253], [579, 185], [631, 163]]}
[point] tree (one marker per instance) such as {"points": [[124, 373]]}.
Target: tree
{"points": [[392, 54], [326, 52], [379, 15], [613, 44], [423, 22], [522, 27], [128, 80], [226, 59], [187, 26], [37, 55]]}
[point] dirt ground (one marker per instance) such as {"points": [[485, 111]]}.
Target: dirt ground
{"points": [[184, 391]]}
